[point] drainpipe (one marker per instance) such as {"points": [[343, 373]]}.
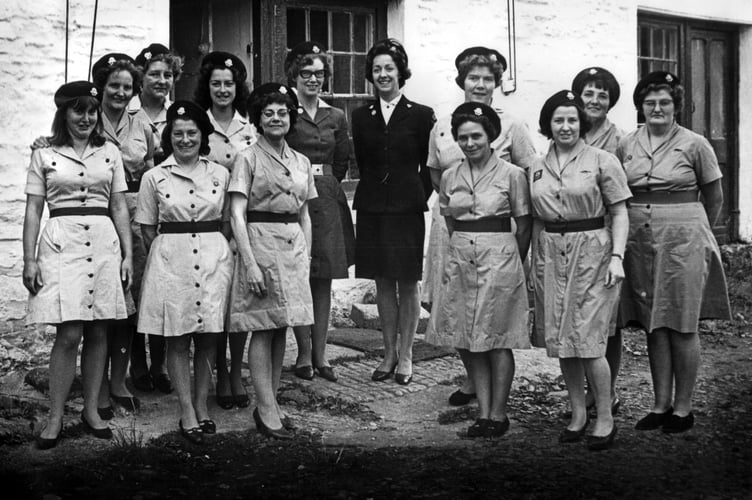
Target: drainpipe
{"points": [[510, 84]]}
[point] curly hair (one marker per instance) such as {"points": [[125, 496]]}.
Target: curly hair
{"points": [[676, 92], [476, 60], [459, 119], [203, 149], [101, 76], [293, 68], [394, 49], [202, 95], [173, 61], [61, 136], [257, 105]]}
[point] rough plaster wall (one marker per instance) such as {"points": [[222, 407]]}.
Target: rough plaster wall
{"points": [[32, 67], [745, 133]]}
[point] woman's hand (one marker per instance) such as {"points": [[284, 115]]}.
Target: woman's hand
{"points": [[32, 277], [126, 273], [615, 272], [255, 278], [40, 142]]}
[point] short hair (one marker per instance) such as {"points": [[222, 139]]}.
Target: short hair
{"points": [[60, 134], [585, 125], [478, 60], [257, 105], [202, 97], [173, 61], [461, 119], [390, 47], [203, 149], [302, 60], [101, 76], [676, 92]]}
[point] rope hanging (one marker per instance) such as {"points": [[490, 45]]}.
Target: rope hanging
{"points": [[67, 15]]}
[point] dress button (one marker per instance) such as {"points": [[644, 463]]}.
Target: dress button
{"points": [[54, 163], [107, 160], [86, 227], [289, 241], [472, 261], [287, 174], [193, 205], [88, 259], [193, 235], [647, 189], [563, 254], [81, 174], [190, 192], [195, 251], [288, 192], [647, 206], [472, 242], [91, 291], [558, 197], [198, 302], [83, 188], [227, 155], [198, 285], [199, 320], [196, 267], [214, 191], [227, 141], [471, 191], [91, 275], [647, 225], [167, 195], [88, 243], [89, 306]]}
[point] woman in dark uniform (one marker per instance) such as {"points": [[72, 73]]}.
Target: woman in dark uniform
{"points": [[390, 138], [320, 133], [673, 264]]}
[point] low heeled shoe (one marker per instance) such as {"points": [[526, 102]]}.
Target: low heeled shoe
{"points": [[653, 420], [280, 433], [596, 443], [675, 424], [105, 433]]}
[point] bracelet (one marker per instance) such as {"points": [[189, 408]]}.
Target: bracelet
{"points": [[621, 257]]}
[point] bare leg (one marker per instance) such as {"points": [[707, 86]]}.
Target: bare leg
{"points": [[574, 377], [120, 337], [661, 368], [62, 373], [205, 353], [409, 313], [469, 386], [262, 368], [223, 376], [303, 339], [179, 367], [93, 358], [685, 359], [321, 290], [613, 357], [480, 370], [599, 376], [501, 363], [279, 342], [237, 350], [386, 301]]}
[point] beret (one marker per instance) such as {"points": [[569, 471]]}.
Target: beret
{"points": [[303, 48], [479, 109], [562, 97], [271, 88], [656, 77], [604, 75], [219, 59], [108, 60], [189, 110], [154, 49], [74, 90], [493, 55]]}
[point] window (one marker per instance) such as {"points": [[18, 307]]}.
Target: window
{"points": [[657, 47]]}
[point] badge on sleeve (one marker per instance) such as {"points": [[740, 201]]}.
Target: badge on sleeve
{"points": [[537, 175]]}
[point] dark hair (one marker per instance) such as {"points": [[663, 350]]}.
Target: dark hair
{"points": [[476, 60], [585, 125], [60, 134], [302, 60], [204, 149], [100, 77], [676, 92], [257, 105], [390, 47], [202, 95], [459, 119], [174, 61]]}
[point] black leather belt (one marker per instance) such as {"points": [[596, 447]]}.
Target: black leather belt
{"points": [[61, 212], [484, 225], [663, 197], [253, 216], [574, 226], [204, 226], [133, 186]]}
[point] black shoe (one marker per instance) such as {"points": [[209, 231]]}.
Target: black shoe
{"points": [[280, 433], [105, 433], [479, 428], [207, 426], [380, 376], [675, 424], [143, 383], [130, 403], [163, 384], [327, 373], [226, 402], [653, 420], [304, 372], [194, 435], [242, 401], [47, 443], [597, 443], [568, 436], [403, 379], [459, 398], [496, 428], [106, 413]]}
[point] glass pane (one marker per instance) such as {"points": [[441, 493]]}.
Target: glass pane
{"points": [[717, 90], [296, 31], [699, 74], [656, 50], [359, 74], [320, 26], [340, 31], [360, 32], [673, 53], [341, 74]]}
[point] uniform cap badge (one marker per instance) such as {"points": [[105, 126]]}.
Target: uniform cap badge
{"points": [[111, 61], [93, 92], [181, 111], [478, 112], [228, 63], [147, 55], [570, 96]]}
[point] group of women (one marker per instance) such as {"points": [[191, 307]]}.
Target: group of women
{"points": [[242, 225]]}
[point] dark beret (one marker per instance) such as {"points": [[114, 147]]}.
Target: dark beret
{"points": [[604, 75], [303, 48], [493, 55], [225, 60], [189, 110], [154, 49], [656, 77], [74, 90], [271, 88], [108, 60], [562, 97], [479, 109]]}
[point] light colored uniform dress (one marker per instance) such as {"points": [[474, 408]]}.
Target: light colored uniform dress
{"points": [[225, 144], [280, 184], [187, 276], [158, 123], [79, 255], [513, 145], [674, 273], [573, 308], [324, 141], [137, 143], [606, 138], [483, 304]]}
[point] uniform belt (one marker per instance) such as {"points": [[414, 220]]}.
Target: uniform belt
{"points": [[253, 216], [322, 169], [574, 226], [484, 225], [663, 197], [204, 226], [61, 212], [133, 186]]}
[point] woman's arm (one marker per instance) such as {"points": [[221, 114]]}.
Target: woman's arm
{"points": [[305, 223], [619, 230], [435, 178], [32, 277], [524, 231], [148, 233], [254, 276], [226, 226], [121, 219], [712, 194]]}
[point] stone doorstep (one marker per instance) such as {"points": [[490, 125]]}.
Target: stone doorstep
{"points": [[367, 316]]}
